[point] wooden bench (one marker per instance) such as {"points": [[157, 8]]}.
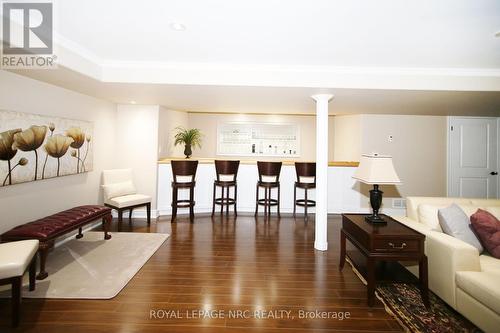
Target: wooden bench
{"points": [[49, 228]]}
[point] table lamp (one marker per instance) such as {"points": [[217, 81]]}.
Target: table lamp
{"points": [[376, 170]]}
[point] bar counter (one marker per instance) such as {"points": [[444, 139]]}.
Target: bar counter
{"points": [[203, 160], [343, 190]]}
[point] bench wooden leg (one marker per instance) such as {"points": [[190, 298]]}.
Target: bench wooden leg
{"points": [[43, 251], [16, 299], [148, 212], [32, 273], [80, 234], [106, 224]]}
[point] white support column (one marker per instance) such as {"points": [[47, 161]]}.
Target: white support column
{"points": [[321, 227]]}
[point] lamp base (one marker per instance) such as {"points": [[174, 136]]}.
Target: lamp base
{"points": [[375, 202], [375, 219]]}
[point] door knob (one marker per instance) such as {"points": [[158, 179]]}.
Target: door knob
{"points": [[493, 173]]}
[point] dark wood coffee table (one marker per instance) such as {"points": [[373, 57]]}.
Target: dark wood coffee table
{"points": [[383, 242]]}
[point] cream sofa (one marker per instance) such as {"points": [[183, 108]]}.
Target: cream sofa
{"points": [[467, 281]]}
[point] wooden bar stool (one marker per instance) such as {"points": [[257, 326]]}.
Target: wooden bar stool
{"points": [[269, 175], [226, 171], [187, 171], [306, 180]]}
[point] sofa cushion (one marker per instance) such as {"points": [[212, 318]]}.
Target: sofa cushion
{"points": [[469, 210], [487, 227], [489, 263], [485, 202], [495, 211], [483, 286], [428, 215], [412, 204], [119, 189], [129, 200], [456, 223]]}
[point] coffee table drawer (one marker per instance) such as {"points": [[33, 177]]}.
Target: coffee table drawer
{"points": [[384, 245]]}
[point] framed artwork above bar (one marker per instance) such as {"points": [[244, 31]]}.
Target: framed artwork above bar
{"points": [[258, 139]]}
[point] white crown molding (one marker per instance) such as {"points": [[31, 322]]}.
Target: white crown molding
{"points": [[79, 59], [75, 57], [304, 76]]}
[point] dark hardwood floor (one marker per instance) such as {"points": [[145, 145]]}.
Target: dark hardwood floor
{"points": [[222, 264]]}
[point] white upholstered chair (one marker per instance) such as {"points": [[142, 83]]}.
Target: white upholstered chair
{"points": [[15, 259], [120, 193]]}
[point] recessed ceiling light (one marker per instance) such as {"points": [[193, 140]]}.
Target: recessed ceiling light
{"points": [[133, 102], [497, 34], [177, 26]]}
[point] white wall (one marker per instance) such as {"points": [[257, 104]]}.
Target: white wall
{"points": [[207, 123], [22, 203], [137, 146], [168, 121]]}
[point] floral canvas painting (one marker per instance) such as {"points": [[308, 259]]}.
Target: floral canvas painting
{"points": [[35, 147]]}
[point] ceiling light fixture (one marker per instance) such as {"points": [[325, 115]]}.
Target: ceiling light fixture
{"points": [[133, 102], [177, 26], [497, 34]]}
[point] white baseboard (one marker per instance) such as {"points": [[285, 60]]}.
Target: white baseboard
{"points": [[137, 214], [388, 211]]}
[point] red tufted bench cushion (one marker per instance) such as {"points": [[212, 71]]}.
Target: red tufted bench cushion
{"points": [[57, 224], [47, 229]]}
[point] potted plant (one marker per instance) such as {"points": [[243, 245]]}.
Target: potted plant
{"points": [[189, 137]]}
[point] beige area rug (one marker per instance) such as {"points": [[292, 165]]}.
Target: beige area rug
{"points": [[92, 268]]}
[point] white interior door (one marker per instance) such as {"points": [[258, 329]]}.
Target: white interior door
{"points": [[473, 157]]}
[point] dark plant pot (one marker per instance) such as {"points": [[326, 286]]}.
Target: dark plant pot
{"points": [[187, 151]]}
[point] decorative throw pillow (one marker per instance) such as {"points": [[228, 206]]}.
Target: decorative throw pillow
{"points": [[119, 189], [487, 227], [456, 223]]}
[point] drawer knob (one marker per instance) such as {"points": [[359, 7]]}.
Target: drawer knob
{"points": [[403, 245]]}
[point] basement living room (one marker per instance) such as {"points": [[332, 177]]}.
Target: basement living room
{"points": [[251, 166]]}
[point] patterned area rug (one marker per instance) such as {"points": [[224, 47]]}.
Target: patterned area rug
{"points": [[403, 301]]}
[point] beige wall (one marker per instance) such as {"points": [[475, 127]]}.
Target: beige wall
{"points": [[347, 138], [137, 145], [168, 121], [207, 123], [418, 149], [24, 202]]}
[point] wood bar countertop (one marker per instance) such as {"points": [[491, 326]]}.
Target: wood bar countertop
{"points": [[205, 160]]}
